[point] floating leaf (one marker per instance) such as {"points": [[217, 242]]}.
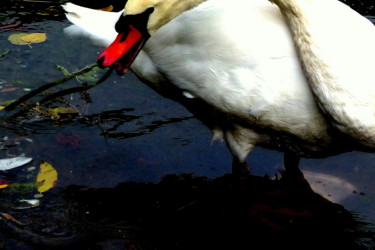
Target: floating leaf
{"points": [[2, 107], [9, 163], [5, 90], [34, 37], [4, 183], [16, 39], [4, 53], [17, 82], [59, 111], [63, 70], [11, 218], [90, 76], [25, 38], [6, 102], [47, 177], [22, 188], [72, 140], [108, 8]]}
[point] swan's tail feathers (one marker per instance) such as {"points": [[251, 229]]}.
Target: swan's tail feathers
{"points": [[98, 25]]}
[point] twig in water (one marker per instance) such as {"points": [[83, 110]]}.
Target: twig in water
{"points": [[60, 93], [33, 93]]}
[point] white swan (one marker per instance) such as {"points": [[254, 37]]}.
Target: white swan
{"points": [[336, 47], [233, 64]]}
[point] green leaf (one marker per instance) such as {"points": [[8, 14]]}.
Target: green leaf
{"points": [[21, 188], [57, 112], [17, 82], [63, 70], [91, 76], [4, 53], [6, 103]]}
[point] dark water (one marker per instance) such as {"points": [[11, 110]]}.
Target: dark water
{"points": [[128, 134]]}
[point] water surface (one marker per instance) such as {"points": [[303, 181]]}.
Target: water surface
{"points": [[127, 133]]}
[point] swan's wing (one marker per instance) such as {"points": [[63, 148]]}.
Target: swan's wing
{"points": [[336, 48], [98, 25]]}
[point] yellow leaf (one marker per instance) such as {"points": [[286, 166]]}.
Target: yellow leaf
{"points": [[16, 39], [34, 37], [3, 186], [2, 107], [57, 112], [25, 38], [47, 177], [62, 110]]}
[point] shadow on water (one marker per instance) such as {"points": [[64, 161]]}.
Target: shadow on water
{"points": [[187, 212], [109, 195]]}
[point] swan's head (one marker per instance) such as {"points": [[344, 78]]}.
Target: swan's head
{"points": [[141, 19]]}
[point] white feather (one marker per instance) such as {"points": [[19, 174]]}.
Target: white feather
{"points": [[97, 25], [238, 56]]}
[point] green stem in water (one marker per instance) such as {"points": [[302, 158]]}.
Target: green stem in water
{"points": [[35, 92]]}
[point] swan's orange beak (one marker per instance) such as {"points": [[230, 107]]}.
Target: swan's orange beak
{"points": [[132, 36], [122, 52]]}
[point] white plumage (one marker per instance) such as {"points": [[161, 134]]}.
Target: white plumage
{"points": [[237, 59]]}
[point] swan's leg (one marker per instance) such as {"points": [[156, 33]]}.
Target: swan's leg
{"points": [[293, 175], [291, 162], [240, 168]]}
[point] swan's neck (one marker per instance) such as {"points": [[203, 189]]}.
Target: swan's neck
{"points": [[334, 99], [165, 11], [316, 69], [314, 66]]}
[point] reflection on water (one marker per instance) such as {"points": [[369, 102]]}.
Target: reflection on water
{"points": [[127, 138]]}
